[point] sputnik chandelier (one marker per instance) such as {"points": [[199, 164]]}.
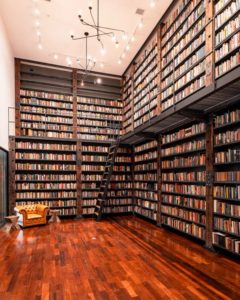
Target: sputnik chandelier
{"points": [[100, 30]]}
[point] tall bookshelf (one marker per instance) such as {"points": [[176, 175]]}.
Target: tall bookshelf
{"points": [[45, 172], [127, 98], [227, 180], [183, 51], [145, 180], [98, 119], [145, 83], [183, 203], [120, 194], [227, 36]]}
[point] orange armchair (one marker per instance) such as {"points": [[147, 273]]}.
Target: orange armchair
{"points": [[31, 215]]}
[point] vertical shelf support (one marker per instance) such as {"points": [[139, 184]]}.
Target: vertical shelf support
{"points": [[159, 181], [17, 97], [74, 92], [11, 172], [79, 179], [209, 182], [133, 180]]}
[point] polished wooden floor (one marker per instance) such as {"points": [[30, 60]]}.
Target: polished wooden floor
{"points": [[119, 258]]}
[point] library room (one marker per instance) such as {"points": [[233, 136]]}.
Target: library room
{"points": [[119, 150]]}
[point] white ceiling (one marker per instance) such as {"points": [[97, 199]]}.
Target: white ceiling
{"points": [[59, 18]]}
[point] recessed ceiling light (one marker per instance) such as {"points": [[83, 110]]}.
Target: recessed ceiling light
{"points": [[37, 23], [37, 12], [152, 3], [127, 47], [119, 62], [40, 46], [38, 33]]}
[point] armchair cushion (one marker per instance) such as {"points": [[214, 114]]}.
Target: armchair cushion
{"points": [[31, 215]]}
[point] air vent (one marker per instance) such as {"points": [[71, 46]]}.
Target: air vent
{"points": [[140, 11]]}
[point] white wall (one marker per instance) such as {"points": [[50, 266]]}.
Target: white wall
{"points": [[7, 83]]}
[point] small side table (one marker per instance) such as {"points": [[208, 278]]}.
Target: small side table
{"points": [[11, 224], [54, 213]]}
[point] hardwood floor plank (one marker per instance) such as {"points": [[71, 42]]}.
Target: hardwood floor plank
{"points": [[117, 259]]}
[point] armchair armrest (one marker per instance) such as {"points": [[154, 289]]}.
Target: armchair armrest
{"points": [[20, 209], [42, 209]]}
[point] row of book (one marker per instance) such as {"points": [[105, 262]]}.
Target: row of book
{"points": [[150, 177], [145, 156], [228, 156], [227, 242], [148, 100], [45, 112], [188, 189], [145, 146], [230, 136], [230, 116], [229, 176], [46, 195], [45, 156], [197, 160], [99, 109], [99, 131], [117, 209], [114, 185], [227, 192], [227, 225], [101, 116], [148, 91], [187, 215], [227, 209], [62, 211], [147, 204], [147, 195], [185, 202], [45, 167], [98, 177], [184, 147], [96, 137], [51, 203], [228, 64], [99, 102], [46, 95], [34, 102], [45, 186], [146, 166], [184, 132], [102, 167], [44, 146], [45, 177], [41, 127], [149, 186], [146, 76], [44, 133], [97, 123], [184, 226], [184, 176], [151, 214]]}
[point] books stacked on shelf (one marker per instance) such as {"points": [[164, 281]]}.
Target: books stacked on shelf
{"points": [[98, 119], [93, 161], [146, 84], [227, 40], [227, 180], [46, 114], [183, 52], [127, 92], [184, 190], [46, 173], [145, 179]]}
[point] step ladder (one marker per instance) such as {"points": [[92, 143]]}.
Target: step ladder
{"points": [[103, 189]]}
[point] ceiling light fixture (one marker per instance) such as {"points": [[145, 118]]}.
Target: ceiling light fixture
{"points": [[40, 46], [99, 80], [100, 30], [55, 56], [140, 25], [152, 3]]}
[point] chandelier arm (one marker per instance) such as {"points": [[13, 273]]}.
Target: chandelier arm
{"points": [[91, 36], [92, 26]]}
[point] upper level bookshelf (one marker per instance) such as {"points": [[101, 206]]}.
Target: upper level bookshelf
{"points": [[183, 44], [127, 98]]}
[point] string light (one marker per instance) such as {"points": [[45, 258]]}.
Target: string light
{"points": [[133, 39], [99, 80], [101, 65], [38, 33], [40, 46], [152, 3], [37, 12], [55, 56], [119, 62], [140, 25], [103, 51], [127, 47], [37, 23]]}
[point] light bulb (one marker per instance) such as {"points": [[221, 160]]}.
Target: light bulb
{"points": [[55, 56], [113, 38], [127, 47], [152, 3], [103, 51], [82, 83], [140, 25], [124, 37], [99, 81], [123, 55], [37, 23], [40, 46], [117, 44], [119, 61], [37, 12], [133, 39], [101, 65], [38, 33]]}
